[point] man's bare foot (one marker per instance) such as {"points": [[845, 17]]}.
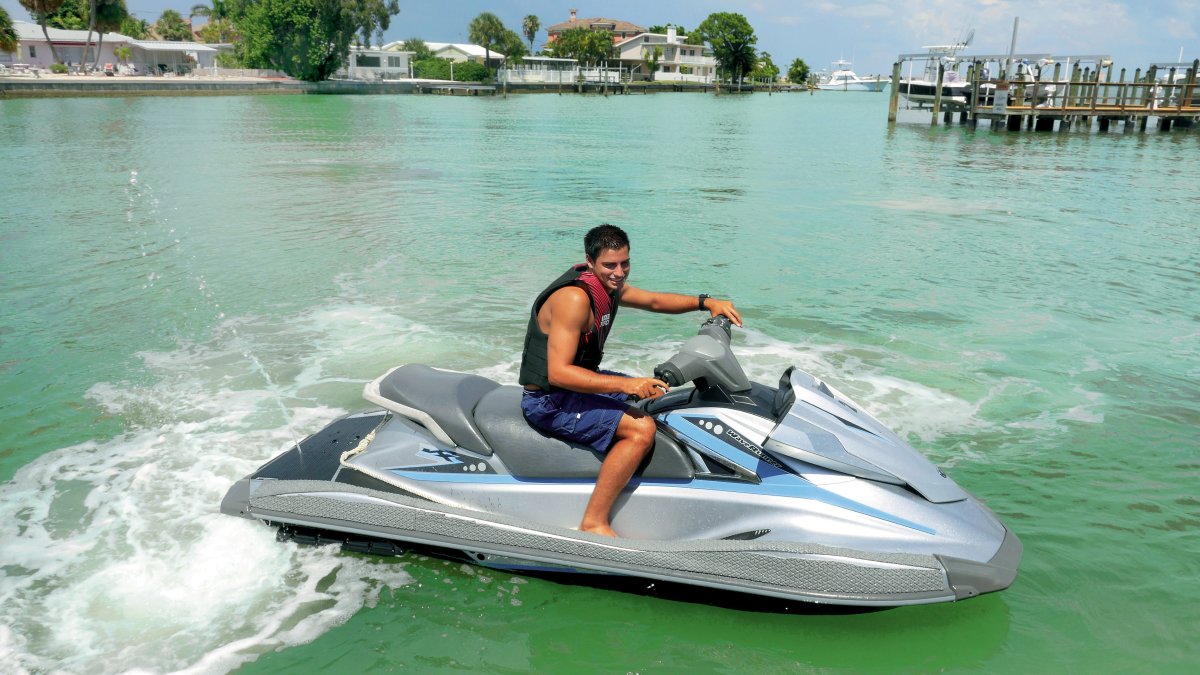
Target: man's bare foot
{"points": [[601, 529]]}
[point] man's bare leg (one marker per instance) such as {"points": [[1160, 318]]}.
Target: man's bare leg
{"points": [[633, 439]]}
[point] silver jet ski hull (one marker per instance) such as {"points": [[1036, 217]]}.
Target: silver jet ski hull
{"points": [[791, 491], [339, 499]]}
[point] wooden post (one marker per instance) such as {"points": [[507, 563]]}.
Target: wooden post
{"points": [[1019, 97], [1173, 89], [1189, 89], [1121, 92], [937, 94], [1151, 83], [1057, 74], [1095, 90], [894, 97], [1135, 96], [973, 110], [1070, 90]]}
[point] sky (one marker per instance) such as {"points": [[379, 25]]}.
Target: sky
{"points": [[1135, 33]]}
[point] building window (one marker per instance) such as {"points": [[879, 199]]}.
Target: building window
{"points": [[364, 61], [32, 52], [393, 62]]}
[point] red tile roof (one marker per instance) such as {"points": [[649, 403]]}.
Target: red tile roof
{"points": [[617, 26]]}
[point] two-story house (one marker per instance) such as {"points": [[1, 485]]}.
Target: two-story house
{"points": [[680, 62], [621, 30]]}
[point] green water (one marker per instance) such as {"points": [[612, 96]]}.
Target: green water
{"points": [[190, 284]]}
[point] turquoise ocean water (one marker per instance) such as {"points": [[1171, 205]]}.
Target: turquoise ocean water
{"points": [[188, 285]]}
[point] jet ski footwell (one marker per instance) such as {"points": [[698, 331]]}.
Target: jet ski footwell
{"points": [[790, 570]]}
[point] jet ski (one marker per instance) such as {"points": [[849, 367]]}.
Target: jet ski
{"points": [[792, 491]]}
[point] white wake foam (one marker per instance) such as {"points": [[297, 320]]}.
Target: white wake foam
{"points": [[115, 557]]}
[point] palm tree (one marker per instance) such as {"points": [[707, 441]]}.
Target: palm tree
{"points": [[39, 9], [218, 20], [486, 30], [170, 26], [218, 11], [109, 16], [8, 34], [530, 26]]}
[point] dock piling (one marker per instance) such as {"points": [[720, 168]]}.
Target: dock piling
{"points": [[937, 95], [894, 99]]}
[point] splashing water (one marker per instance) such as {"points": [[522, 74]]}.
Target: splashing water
{"points": [[116, 556]]}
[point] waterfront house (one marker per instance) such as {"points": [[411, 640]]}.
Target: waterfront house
{"points": [[621, 30], [541, 70], [33, 51], [679, 62], [148, 57], [376, 63]]}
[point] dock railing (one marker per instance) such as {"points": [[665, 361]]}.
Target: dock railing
{"points": [[1169, 91]]}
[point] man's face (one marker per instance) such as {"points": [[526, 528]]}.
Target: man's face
{"points": [[611, 267]]}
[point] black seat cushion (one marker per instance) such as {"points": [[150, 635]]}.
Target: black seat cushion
{"points": [[530, 453], [447, 397]]}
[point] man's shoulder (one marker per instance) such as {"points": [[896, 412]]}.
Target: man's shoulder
{"points": [[569, 294]]}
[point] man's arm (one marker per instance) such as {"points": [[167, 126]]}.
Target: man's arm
{"points": [[673, 303], [568, 310]]}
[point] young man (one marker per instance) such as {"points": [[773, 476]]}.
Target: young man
{"points": [[566, 393]]}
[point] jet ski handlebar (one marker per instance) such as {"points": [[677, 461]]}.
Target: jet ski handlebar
{"points": [[706, 360]]}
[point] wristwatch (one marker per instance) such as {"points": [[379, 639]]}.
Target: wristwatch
{"points": [[703, 297]]}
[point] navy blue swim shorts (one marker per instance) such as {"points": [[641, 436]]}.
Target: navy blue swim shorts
{"points": [[586, 419]]}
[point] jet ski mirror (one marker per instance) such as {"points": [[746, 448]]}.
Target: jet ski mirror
{"points": [[706, 360]]}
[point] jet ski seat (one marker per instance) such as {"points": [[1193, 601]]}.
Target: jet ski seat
{"points": [[440, 400], [529, 453]]}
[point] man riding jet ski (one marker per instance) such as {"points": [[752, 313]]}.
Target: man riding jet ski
{"points": [[791, 491], [566, 393]]}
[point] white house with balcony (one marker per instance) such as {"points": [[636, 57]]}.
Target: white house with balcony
{"points": [[680, 62]]}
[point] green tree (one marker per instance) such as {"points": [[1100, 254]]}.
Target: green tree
{"points": [[219, 26], [39, 10], [583, 45], [109, 16], [308, 39], [798, 71], [651, 59], [419, 49], [136, 28], [765, 68], [439, 69], [218, 10], [70, 15], [8, 34], [219, 31], [512, 46], [530, 25], [487, 31], [170, 26], [732, 40]]}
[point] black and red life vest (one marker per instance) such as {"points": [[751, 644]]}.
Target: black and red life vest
{"points": [[534, 369]]}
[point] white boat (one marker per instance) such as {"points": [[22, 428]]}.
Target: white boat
{"points": [[956, 88], [922, 90], [844, 79]]}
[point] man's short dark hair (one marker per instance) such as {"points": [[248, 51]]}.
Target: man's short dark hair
{"points": [[603, 237]]}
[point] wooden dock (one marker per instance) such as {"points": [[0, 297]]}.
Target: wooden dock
{"points": [[1089, 98]]}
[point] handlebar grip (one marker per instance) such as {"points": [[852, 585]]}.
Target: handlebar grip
{"points": [[669, 374]]}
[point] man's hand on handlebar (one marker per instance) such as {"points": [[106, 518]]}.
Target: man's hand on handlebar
{"points": [[724, 308], [639, 388]]}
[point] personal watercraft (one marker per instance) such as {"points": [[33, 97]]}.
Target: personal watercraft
{"points": [[791, 491]]}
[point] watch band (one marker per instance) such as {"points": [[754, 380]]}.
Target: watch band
{"points": [[703, 297]]}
